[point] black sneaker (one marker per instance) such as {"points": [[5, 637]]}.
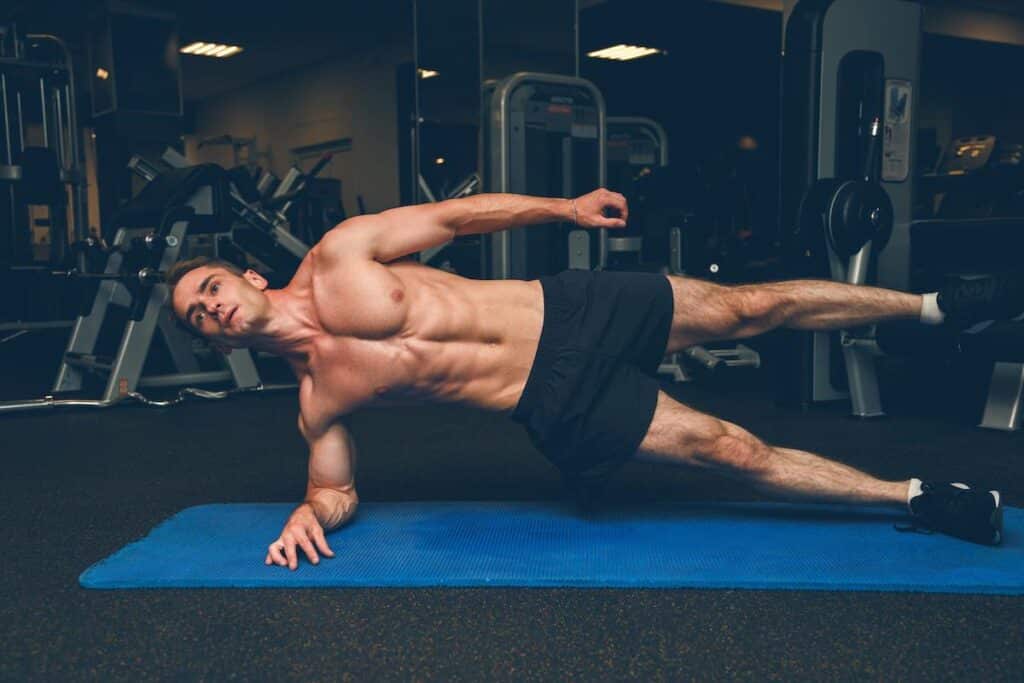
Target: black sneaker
{"points": [[958, 510], [967, 301]]}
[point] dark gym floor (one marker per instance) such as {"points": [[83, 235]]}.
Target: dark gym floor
{"points": [[80, 485]]}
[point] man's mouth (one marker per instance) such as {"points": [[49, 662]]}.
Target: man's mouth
{"points": [[230, 315]]}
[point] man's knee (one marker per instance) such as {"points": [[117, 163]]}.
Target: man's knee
{"points": [[735, 450], [755, 309]]}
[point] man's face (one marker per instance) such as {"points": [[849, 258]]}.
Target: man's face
{"points": [[221, 306]]}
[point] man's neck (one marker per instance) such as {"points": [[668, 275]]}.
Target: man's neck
{"points": [[290, 326]]}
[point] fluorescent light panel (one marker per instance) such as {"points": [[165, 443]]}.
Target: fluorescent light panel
{"points": [[623, 52], [428, 73], [210, 49]]}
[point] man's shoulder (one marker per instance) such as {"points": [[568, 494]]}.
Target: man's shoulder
{"points": [[349, 239]]}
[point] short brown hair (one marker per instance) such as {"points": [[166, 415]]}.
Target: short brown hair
{"points": [[182, 268]]}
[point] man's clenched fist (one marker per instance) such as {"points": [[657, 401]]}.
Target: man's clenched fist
{"points": [[601, 209]]}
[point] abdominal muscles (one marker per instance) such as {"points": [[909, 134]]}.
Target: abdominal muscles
{"points": [[462, 341]]}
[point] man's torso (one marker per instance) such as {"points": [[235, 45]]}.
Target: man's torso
{"points": [[402, 332]]}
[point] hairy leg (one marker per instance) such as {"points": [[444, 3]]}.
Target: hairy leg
{"points": [[679, 435], [704, 311]]}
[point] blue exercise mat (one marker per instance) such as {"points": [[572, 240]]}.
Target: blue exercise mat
{"points": [[688, 545]]}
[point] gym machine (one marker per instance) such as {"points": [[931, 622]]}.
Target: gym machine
{"points": [[850, 70], [849, 77], [638, 147], [980, 177], [40, 167], [635, 145], [543, 135], [151, 232], [254, 228]]}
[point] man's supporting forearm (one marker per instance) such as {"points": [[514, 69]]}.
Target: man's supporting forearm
{"points": [[485, 213], [332, 508]]}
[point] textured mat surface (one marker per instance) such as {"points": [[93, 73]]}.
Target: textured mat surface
{"points": [[722, 545]]}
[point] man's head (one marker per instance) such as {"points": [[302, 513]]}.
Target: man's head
{"points": [[218, 300]]}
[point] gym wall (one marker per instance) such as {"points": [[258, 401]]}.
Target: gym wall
{"points": [[346, 97]]}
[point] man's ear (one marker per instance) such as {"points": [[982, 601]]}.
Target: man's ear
{"points": [[255, 279]]}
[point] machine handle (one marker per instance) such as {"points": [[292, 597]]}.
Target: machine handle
{"points": [[871, 170]]}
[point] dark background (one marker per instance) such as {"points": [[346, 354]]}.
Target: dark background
{"points": [[77, 486]]}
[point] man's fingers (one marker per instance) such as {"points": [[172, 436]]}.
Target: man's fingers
{"points": [[284, 551], [310, 550], [289, 551], [321, 542], [275, 555], [621, 207]]}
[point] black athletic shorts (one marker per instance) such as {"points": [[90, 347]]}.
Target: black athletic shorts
{"points": [[592, 390]]}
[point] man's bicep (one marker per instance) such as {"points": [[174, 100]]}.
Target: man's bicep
{"points": [[395, 233], [332, 459]]}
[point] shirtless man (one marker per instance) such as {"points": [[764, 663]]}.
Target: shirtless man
{"points": [[569, 356]]}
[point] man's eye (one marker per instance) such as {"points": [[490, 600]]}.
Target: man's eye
{"points": [[215, 288]]}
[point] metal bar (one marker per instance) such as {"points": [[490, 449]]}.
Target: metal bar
{"points": [[21, 122], [1005, 395], [242, 369], [58, 113], [675, 251], [87, 327], [179, 345], [861, 373], [9, 159], [47, 325], [293, 244], [50, 402], [425, 189], [857, 271], [290, 179], [42, 104], [138, 334], [185, 378], [501, 140]]}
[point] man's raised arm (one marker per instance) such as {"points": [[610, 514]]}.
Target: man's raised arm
{"points": [[406, 230], [331, 498]]}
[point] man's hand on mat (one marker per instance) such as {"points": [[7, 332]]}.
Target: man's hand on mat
{"points": [[303, 530], [601, 209]]}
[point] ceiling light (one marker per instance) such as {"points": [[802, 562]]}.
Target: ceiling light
{"points": [[428, 73], [102, 74], [210, 49], [227, 51], [622, 52]]}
